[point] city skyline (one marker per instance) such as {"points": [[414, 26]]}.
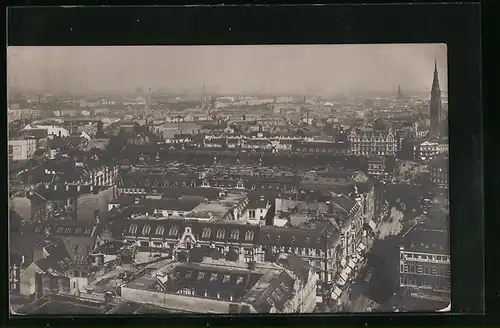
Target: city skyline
{"points": [[280, 69]]}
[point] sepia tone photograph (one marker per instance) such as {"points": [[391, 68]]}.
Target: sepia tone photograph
{"points": [[249, 179]]}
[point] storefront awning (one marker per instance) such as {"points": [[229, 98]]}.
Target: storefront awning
{"points": [[351, 264], [372, 225]]}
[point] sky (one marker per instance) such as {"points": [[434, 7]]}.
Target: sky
{"points": [[286, 69]]}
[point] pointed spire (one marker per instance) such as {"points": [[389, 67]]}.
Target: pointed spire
{"points": [[435, 65]]}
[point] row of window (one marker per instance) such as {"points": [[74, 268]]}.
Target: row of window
{"points": [[425, 270], [425, 257], [206, 233]]}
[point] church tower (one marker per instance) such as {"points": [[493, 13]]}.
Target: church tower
{"points": [[435, 104]]}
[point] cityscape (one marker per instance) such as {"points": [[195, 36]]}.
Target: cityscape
{"points": [[228, 179]]}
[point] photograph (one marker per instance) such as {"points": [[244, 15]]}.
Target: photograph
{"points": [[228, 179]]}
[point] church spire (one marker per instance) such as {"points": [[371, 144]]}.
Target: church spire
{"points": [[435, 103]]}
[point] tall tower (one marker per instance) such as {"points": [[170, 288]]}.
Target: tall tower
{"points": [[399, 92], [435, 104]]}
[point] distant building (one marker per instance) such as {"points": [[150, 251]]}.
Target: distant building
{"points": [[22, 149], [376, 165], [438, 169], [368, 142]]}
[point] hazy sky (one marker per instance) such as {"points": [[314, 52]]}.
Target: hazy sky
{"points": [[321, 69]]}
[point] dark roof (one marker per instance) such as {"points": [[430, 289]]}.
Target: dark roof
{"points": [[24, 242], [276, 295], [218, 283], [203, 231], [295, 264], [294, 237], [420, 239]]}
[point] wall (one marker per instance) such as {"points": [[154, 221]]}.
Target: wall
{"points": [[77, 285], [175, 302]]}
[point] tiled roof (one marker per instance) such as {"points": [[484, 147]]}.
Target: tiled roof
{"points": [[424, 240]]}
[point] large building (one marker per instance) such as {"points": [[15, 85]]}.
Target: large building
{"points": [[214, 286], [368, 142], [435, 105], [425, 262]]}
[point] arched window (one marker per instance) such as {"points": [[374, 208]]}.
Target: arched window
{"points": [[146, 182], [167, 183], [159, 230], [220, 234], [146, 229]]}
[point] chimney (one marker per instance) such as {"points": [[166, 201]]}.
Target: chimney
{"points": [[251, 265]]}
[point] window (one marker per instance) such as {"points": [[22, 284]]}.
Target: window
{"points": [[270, 301], [249, 235], [434, 271], [78, 231], [206, 233], [226, 279], [146, 229], [189, 274], [285, 288], [201, 275], [405, 268], [220, 234], [279, 292], [88, 231], [47, 230], [275, 295], [38, 229], [144, 243], [427, 270], [60, 229], [307, 239], [213, 277], [401, 268], [158, 244], [173, 231], [133, 228], [160, 230], [412, 268], [239, 280], [235, 234], [419, 268], [278, 237]]}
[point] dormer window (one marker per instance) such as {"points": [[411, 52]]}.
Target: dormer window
{"points": [[249, 235], [159, 230], [173, 231], [220, 234], [235, 234], [133, 229], [146, 229]]}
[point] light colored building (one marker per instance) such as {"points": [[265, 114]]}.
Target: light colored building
{"points": [[21, 149]]}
